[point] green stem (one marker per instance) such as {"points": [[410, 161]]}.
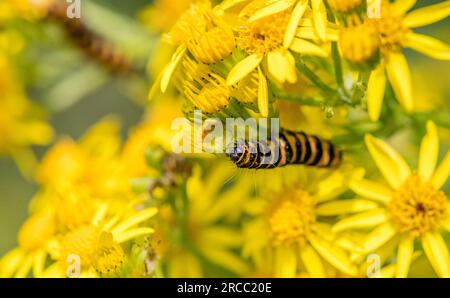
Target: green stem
{"points": [[312, 76]]}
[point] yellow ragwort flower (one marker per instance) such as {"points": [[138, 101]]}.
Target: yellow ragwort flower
{"points": [[396, 32], [411, 208], [289, 233]]}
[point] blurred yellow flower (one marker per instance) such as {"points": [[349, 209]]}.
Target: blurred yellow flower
{"points": [[91, 163], [289, 232], [207, 232], [31, 254], [411, 208], [395, 29], [21, 122], [98, 244]]}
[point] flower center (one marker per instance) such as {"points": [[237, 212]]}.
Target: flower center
{"points": [[390, 26], [95, 248], [291, 220], [417, 207], [264, 35]]}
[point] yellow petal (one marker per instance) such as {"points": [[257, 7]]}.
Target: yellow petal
{"points": [[135, 220], [333, 255], [393, 167], [320, 18], [404, 256], [345, 207], [429, 152], [312, 262], [304, 47], [442, 172], [428, 45], [291, 70], [400, 78], [427, 15], [275, 7], [263, 95], [39, 258], [371, 190], [243, 68], [171, 67], [375, 92], [285, 262], [10, 262], [378, 237], [121, 237], [403, 6], [24, 267], [363, 220], [294, 21], [437, 253], [155, 87], [277, 66]]}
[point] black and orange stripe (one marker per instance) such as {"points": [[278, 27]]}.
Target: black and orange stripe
{"points": [[94, 46], [291, 148]]}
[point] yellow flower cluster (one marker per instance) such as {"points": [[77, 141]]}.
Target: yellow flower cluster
{"points": [[134, 208]]}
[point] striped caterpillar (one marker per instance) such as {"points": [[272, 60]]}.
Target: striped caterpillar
{"points": [[291, 148], [90, 43]]}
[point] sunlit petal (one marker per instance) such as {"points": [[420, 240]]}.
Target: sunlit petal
{"points": [[442, 172], [427, 15], [312, 262], [271, 9], [375, 92], [243, 68], [428, 45], [379, 237], [296, 16], [285, 262], [400, 78], [429, 152], [363, 220], [437, 253], [404, 256], [345, 207], [371, 190], [170, 69], [333, 255], [393, 167]]}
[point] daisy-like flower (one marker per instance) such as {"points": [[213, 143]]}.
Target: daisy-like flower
{"points": [[32, 252], [91, 163], [98, 244], [411, 209], [289, 230], [267, 31], [207, 233], [388, 35]]}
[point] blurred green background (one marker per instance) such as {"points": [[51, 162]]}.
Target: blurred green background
{"points": [[112, 97]]}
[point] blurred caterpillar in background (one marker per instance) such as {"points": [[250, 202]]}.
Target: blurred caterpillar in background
{"points": [[291, 148], [92, 45]]}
